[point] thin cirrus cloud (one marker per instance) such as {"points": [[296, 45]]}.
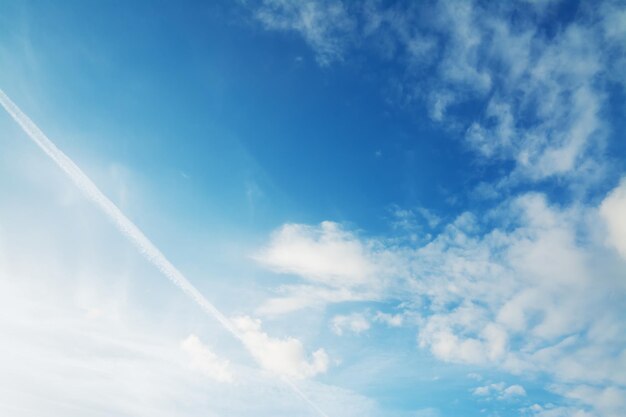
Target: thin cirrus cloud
{"points": [[513, 269], [259, 344], [322, 24]]}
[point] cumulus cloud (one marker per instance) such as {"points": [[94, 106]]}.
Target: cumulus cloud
{"points": [[355, 323], [613, 210], [529, 288], [337, 265], [282, 356], [500, 391], [204, 360], [324, 254]]}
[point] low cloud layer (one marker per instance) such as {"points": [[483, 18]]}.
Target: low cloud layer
{"points": [[531, 289]]}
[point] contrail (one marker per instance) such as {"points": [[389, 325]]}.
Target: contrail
{"points": [[127, 227]]}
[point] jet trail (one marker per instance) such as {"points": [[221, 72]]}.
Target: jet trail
{"points": [[125, 225]]}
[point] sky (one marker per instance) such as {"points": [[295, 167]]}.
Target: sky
{"points": [[313, 208]]}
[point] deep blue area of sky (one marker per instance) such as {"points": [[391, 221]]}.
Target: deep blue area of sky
{"points": [[245, 114], [199, 91]]}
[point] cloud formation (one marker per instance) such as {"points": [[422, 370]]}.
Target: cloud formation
{"points": [[539, 293], [612, 211], [204, 360], [539, 87], [500, 391], [531, 284], [335, 264], [285, 357], [323, 24], [355, 323]]}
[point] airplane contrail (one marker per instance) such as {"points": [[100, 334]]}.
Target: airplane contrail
{"points": [[127, 227]]}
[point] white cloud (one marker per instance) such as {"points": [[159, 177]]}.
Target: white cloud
{"points": [[608, 401], [550, 410], [539, 112], [500, 391], [325, 25], [514, 391], [324, 254], [541, 96], [613, 212], [482, 391], [285, 357], [88, 331], [528, 286], [296, 297], [460, 64], [338, 265], [537, 293], [355, 323], [393, 320], [204, 360], [438, 104], [414, 219]]}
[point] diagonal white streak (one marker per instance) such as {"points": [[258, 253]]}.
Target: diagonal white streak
{"points": [[126, 226], [123, 223]]}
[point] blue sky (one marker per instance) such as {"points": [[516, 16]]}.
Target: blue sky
{"points": [[391, 208]]}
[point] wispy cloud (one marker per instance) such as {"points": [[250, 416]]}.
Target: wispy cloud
{"points": [[539, 96], [537, 293], [325, 25], [123, 223], [137, 238]]}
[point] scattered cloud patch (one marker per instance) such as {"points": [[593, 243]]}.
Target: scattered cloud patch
{"points": [[392, 320], [325, 25], [336, 264], [612, 211], [354, 323], [539, 95], [520, 290], [324, 254], [282, 356], [550, 410], [500, 391], [202, 359]]}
